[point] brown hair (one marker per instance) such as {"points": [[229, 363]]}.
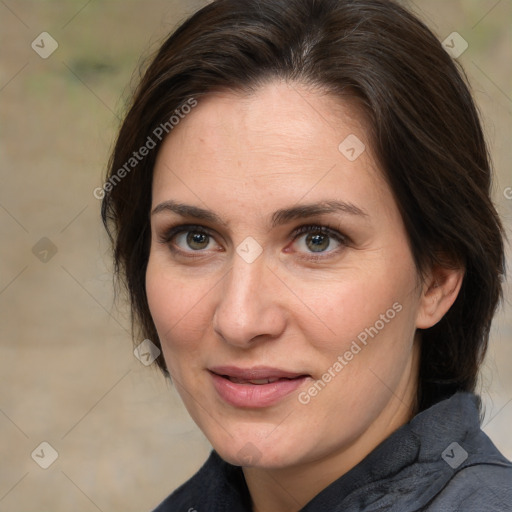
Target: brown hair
{"points": [[424, 129]]}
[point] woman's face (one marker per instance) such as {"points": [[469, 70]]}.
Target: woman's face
{"points": [[280, 279]]}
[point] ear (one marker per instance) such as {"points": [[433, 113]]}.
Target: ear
{"points": [[440, 289]]}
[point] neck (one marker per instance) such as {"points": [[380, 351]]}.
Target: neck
{"points": [[290, 488]]}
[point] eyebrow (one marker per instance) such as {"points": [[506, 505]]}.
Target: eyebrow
{"points": [[310, 210], [279, 217], [187, 210]]}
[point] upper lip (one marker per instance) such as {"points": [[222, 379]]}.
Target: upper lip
{"points": [[255, 372]]}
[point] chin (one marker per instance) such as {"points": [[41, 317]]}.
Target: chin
{"points": [[268, 452]]}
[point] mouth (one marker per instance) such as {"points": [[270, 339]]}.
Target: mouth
{"points": [[255, 387], [257, 382]]}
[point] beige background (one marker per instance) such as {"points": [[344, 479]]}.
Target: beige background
{"points": [[68, 374]]}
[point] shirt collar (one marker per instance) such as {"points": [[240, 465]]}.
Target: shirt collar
{"points": [[419, 451]]}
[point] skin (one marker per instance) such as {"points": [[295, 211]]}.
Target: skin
{"points": [[244, 157]]}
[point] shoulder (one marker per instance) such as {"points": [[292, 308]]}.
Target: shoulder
{"points": [[465, 470], [477, 488]]}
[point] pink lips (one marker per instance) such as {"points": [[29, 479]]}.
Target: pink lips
{"points": [[247, 387]]}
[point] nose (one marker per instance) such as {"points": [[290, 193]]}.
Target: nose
{"points": [[248, 308]]}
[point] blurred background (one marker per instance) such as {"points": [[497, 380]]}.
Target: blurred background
{"points": [[84, 425]]}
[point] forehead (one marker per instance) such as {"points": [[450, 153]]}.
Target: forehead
{"points": [[282, 141]]}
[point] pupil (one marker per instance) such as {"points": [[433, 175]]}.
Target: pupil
{"points": [[317, 243], [197, 240]]}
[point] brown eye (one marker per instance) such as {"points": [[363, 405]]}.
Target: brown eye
{"points": [[317, 242], [197, 241], [190, 239]]}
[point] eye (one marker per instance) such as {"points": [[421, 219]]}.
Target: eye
{"points": [[189, 239], [194, 240], [318, 239]]}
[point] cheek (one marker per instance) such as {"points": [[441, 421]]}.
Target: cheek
{"points": [[376, 296], [179, 308]]}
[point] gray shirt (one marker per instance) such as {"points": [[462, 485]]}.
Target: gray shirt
{"points": [[441, 461]]}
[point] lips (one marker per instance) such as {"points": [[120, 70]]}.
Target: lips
{"points": [[254, 373], [256, 386], [257, 382]]}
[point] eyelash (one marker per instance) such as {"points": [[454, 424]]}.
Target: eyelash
{"points": [[325, 229], [167, 237]]}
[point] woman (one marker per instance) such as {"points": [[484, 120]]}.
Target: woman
{"points": [[299, 205]]}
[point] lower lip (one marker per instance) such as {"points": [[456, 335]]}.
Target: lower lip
{"points": [[254, 395]]}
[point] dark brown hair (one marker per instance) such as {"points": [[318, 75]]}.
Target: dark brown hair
{"points": [[425, 133]]}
